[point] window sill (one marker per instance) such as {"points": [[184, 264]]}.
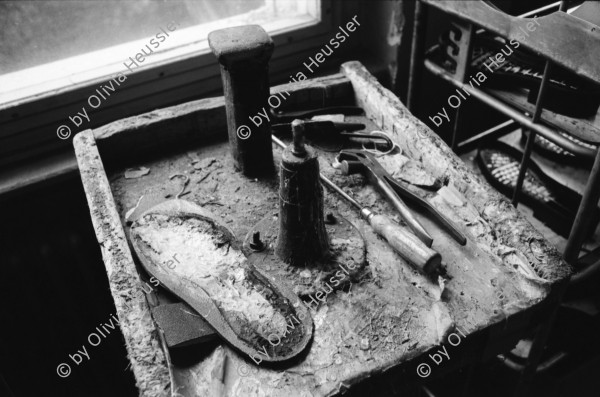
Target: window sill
{"points": [[100, 66]]}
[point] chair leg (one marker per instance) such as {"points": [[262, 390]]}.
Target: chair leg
{"points": [[523, 167], [416, 56], [531, 138], [535, 355], [454, 142], [583, 219]]}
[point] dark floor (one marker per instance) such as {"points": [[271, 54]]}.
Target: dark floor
{"points": [[55, 293], [576, 376]]}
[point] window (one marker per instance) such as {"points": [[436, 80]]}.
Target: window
{"points": [[69, 42], [42, 32], [56, 53]]}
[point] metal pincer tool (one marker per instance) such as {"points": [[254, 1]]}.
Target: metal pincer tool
{"points": [[359, 161], [324, 126], [289, 116], [328, 135]]}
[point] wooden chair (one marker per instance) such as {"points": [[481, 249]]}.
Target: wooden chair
{"points": [[561, 39]]}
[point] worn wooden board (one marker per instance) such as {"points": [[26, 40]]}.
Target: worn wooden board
{"points": [[389, 319], [587, 129], [142, 342]]}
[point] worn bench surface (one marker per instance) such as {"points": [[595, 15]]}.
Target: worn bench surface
{"points": [[499, 284]]}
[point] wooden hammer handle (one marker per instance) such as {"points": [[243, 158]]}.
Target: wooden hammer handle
{"points": [[406, 244]]}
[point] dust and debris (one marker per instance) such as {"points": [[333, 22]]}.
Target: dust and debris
{"points": [[132, 210], [147, 359], [364, 344], [451, 195], [205, 163], [212, 186], [206, 175], [134, 173], [186, 181], [206, 167], [405, 169]]}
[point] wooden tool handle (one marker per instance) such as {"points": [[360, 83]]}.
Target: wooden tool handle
{"points": [[406, 244], [405, 212]]}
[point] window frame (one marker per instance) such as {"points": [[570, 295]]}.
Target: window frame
{"points": [[28, 122], [101, 65]]}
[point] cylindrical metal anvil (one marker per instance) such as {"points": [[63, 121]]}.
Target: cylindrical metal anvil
{"points": [[302, 238], [244, 53]]}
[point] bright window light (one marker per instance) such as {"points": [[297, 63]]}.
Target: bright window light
{"points": [[48, 46]]}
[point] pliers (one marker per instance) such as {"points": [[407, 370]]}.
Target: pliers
{"points": [[359, 161], [289, 116], [327, 132]]}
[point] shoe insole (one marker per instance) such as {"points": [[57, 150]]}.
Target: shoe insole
{"points": [[198, 259]]}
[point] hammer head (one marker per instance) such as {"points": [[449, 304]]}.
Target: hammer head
{"points": [[241, 44], [359, 161]]}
